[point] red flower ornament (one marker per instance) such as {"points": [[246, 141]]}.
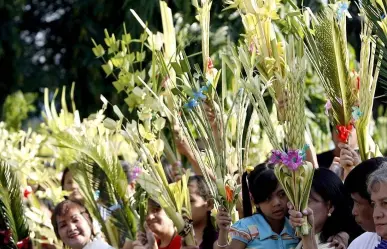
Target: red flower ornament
{"points": [[344, 132], [27, 191]]}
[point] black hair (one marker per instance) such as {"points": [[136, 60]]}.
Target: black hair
{"points": [[62, 181], [209, 233], [260, 183], [330, 187], [356, 181]]}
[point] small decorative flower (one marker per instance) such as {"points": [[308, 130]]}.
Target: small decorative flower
{"points": [[328, 106], [342, 8], [229, 193], [303, 152], [199, 95], [7, 236], [276, 156], [97, 194], [356, 113], [192, 103], [344, 132], [27, 191], [23, 244], [210, 64], [293, 159], [136, 171], [383, 16]]}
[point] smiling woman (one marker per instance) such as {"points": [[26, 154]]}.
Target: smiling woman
{"points": [[73, 225]]}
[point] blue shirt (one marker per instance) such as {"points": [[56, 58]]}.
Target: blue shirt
{"points": [[256, 233]]}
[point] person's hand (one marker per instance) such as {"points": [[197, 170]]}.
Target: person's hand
{"points": [[297, 218], [181, 142], [128, 244], [336, 167], [223, 220], [339, 241], [146, 239], [348, 158], [138, 245]]}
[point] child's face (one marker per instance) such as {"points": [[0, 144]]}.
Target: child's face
{"points": [[275, 207], [157, 220], [199, 206], [73, 228]]}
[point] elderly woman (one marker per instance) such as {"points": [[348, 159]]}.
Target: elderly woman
{"points": [[377, 187]]}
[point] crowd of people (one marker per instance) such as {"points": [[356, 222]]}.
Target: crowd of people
{"points": [[347, 209]]}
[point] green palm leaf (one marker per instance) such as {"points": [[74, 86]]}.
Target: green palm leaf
{"points": [[11, 204], [328, 53]]}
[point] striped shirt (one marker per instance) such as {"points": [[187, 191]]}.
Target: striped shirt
{"points": [[256, 233]]}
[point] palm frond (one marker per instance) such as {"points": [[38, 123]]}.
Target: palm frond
{"points": [[328, 53], [104, 155], [11, 204]]}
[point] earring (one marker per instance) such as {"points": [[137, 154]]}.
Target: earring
{"points": [[329, 214]]}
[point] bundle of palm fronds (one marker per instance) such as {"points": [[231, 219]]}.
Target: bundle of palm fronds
{"points": [[266, 43], [174, 197], [327, 50], [15, 233], [292, 170]]}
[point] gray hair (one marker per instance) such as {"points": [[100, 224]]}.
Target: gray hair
{"points": [[378, 176]]}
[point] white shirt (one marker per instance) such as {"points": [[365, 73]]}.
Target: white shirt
{"points": [[98, 244], [367, 240]]}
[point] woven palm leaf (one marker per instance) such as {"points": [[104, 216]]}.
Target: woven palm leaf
{"points": [[328, 53]]}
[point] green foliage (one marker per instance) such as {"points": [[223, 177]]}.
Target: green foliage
{"points": [[16, 108], [11, 205]]}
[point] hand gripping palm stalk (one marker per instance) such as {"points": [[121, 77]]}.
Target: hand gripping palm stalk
{"points": [[292, 170]]}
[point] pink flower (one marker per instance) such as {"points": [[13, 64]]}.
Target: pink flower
{"points": [[276, 156], [293, 159]]}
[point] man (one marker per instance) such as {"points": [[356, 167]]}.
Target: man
{"points": [[356, 184]]}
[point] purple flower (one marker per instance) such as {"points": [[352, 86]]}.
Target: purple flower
{"points": [[276, 156], [293, 159], [136, 171]]}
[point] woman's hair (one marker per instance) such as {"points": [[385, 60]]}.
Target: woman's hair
{"points": [[62, 181], [258, 184], [329, 186], [209, 233], [63, 207], [377, 177]]}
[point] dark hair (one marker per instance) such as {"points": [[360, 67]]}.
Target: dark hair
{"points": [[209, 234], [62, 181], [356, 181], [63, 207], [260, 183], [329, 186]]}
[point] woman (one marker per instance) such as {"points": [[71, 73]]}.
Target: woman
{"points": [[331, 207], [73, 225]]}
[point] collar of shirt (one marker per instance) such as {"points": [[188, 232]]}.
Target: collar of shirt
{"points": [[266, 232]]}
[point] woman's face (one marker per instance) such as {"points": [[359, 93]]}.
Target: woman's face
{"points": [[199, 206], [157, 220], [320, 208], [73, 187], [379, 203], [275, 206], [74, 229]]}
